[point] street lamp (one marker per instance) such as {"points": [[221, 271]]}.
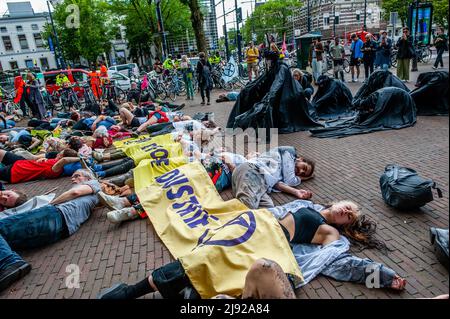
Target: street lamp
{"points": [[161, 27], [365, 15], [60, 61]]}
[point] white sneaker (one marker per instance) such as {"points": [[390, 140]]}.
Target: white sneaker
{"points": [[121, 215], [113, 202]]}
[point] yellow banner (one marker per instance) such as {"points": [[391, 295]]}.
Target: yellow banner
{"points": [[157, 148], [148, 170], [216, 241]]}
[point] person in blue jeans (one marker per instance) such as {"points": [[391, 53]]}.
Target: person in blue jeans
{"points": [[45, 225]]}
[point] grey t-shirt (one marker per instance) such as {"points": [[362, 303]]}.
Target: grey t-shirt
{"points": [[78, 210]]}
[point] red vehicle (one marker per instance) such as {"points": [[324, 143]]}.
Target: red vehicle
{"points": [[75, 76]]}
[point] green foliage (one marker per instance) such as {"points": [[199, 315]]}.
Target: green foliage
{"points": [[440, 12], [93, 35], [400, 6], [271, 17]]}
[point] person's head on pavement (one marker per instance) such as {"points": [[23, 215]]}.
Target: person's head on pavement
{"points": [[81, 176], [304, 168], [12, 198]]}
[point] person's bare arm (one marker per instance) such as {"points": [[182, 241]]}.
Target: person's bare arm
{"points": [[35, 142], [76, 192], [299, 193], [59, 165], [98, 119]]}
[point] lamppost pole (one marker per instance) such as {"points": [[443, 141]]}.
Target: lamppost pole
{"points": [[227, 48], [161, 28], [60, 62], [415, 38], [365, 15], [308, 17], [238, 32]]}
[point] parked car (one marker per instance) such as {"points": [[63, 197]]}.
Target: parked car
{"points": [[75, 76], [128, 69], [120, 80]]}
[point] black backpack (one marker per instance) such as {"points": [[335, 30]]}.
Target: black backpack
{"points": [[403, 188]]}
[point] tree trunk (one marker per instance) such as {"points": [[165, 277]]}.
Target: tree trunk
{"points": [[197, 24]]}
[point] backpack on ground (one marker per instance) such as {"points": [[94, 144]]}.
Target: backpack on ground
{"points": [[403, 188]]}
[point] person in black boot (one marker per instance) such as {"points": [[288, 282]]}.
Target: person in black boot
{"points": [[204, 77], [265, 280]]}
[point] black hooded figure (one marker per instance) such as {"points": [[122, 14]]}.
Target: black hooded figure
{"points": [[431, 94], [378, 80], [274, 100], [385, 109], [332, 100]]}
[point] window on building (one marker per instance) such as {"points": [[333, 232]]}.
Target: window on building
{"points": [[34, 27], [326, 20], [29, 63], [23, 41], [3, 30], [7, 43], [38, 40], [13, 65], [19, 28], [44, 63]]}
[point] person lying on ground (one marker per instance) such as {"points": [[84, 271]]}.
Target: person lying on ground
{"points": [[16, 169], [227, 97], [22, 139], [33, 203], [108, 108], [11, 198], [265, 280], [280, 169], [305, 223], [46, 225]]}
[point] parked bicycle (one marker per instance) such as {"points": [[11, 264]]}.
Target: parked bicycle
{"points": [[112, 92]]}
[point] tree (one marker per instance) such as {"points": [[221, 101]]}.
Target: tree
{"points": [[270, 17], [440, 12], [90, 37], [140, 22], [197, 23], [399, 6]]}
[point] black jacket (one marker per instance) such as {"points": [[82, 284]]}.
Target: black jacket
{"points": [[405, 48]]}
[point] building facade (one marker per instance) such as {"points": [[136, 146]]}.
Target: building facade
{"points": [[338, 17], [21, 43]]}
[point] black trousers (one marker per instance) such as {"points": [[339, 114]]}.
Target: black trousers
{"points": [[368, 68], [440, 52], [204, 89]]}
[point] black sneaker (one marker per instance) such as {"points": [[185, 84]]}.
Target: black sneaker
{"points": [[117, 291], [13, 273]]}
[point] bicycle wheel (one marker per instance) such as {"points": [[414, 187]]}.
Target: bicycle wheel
{"points": [[426, 55], [394, 60], [346, 66], [161, 92], [227, 86], [120, 95], [171, 91], [181, 88]]}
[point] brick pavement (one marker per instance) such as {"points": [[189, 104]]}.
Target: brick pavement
{"points": [[346, 168]]}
